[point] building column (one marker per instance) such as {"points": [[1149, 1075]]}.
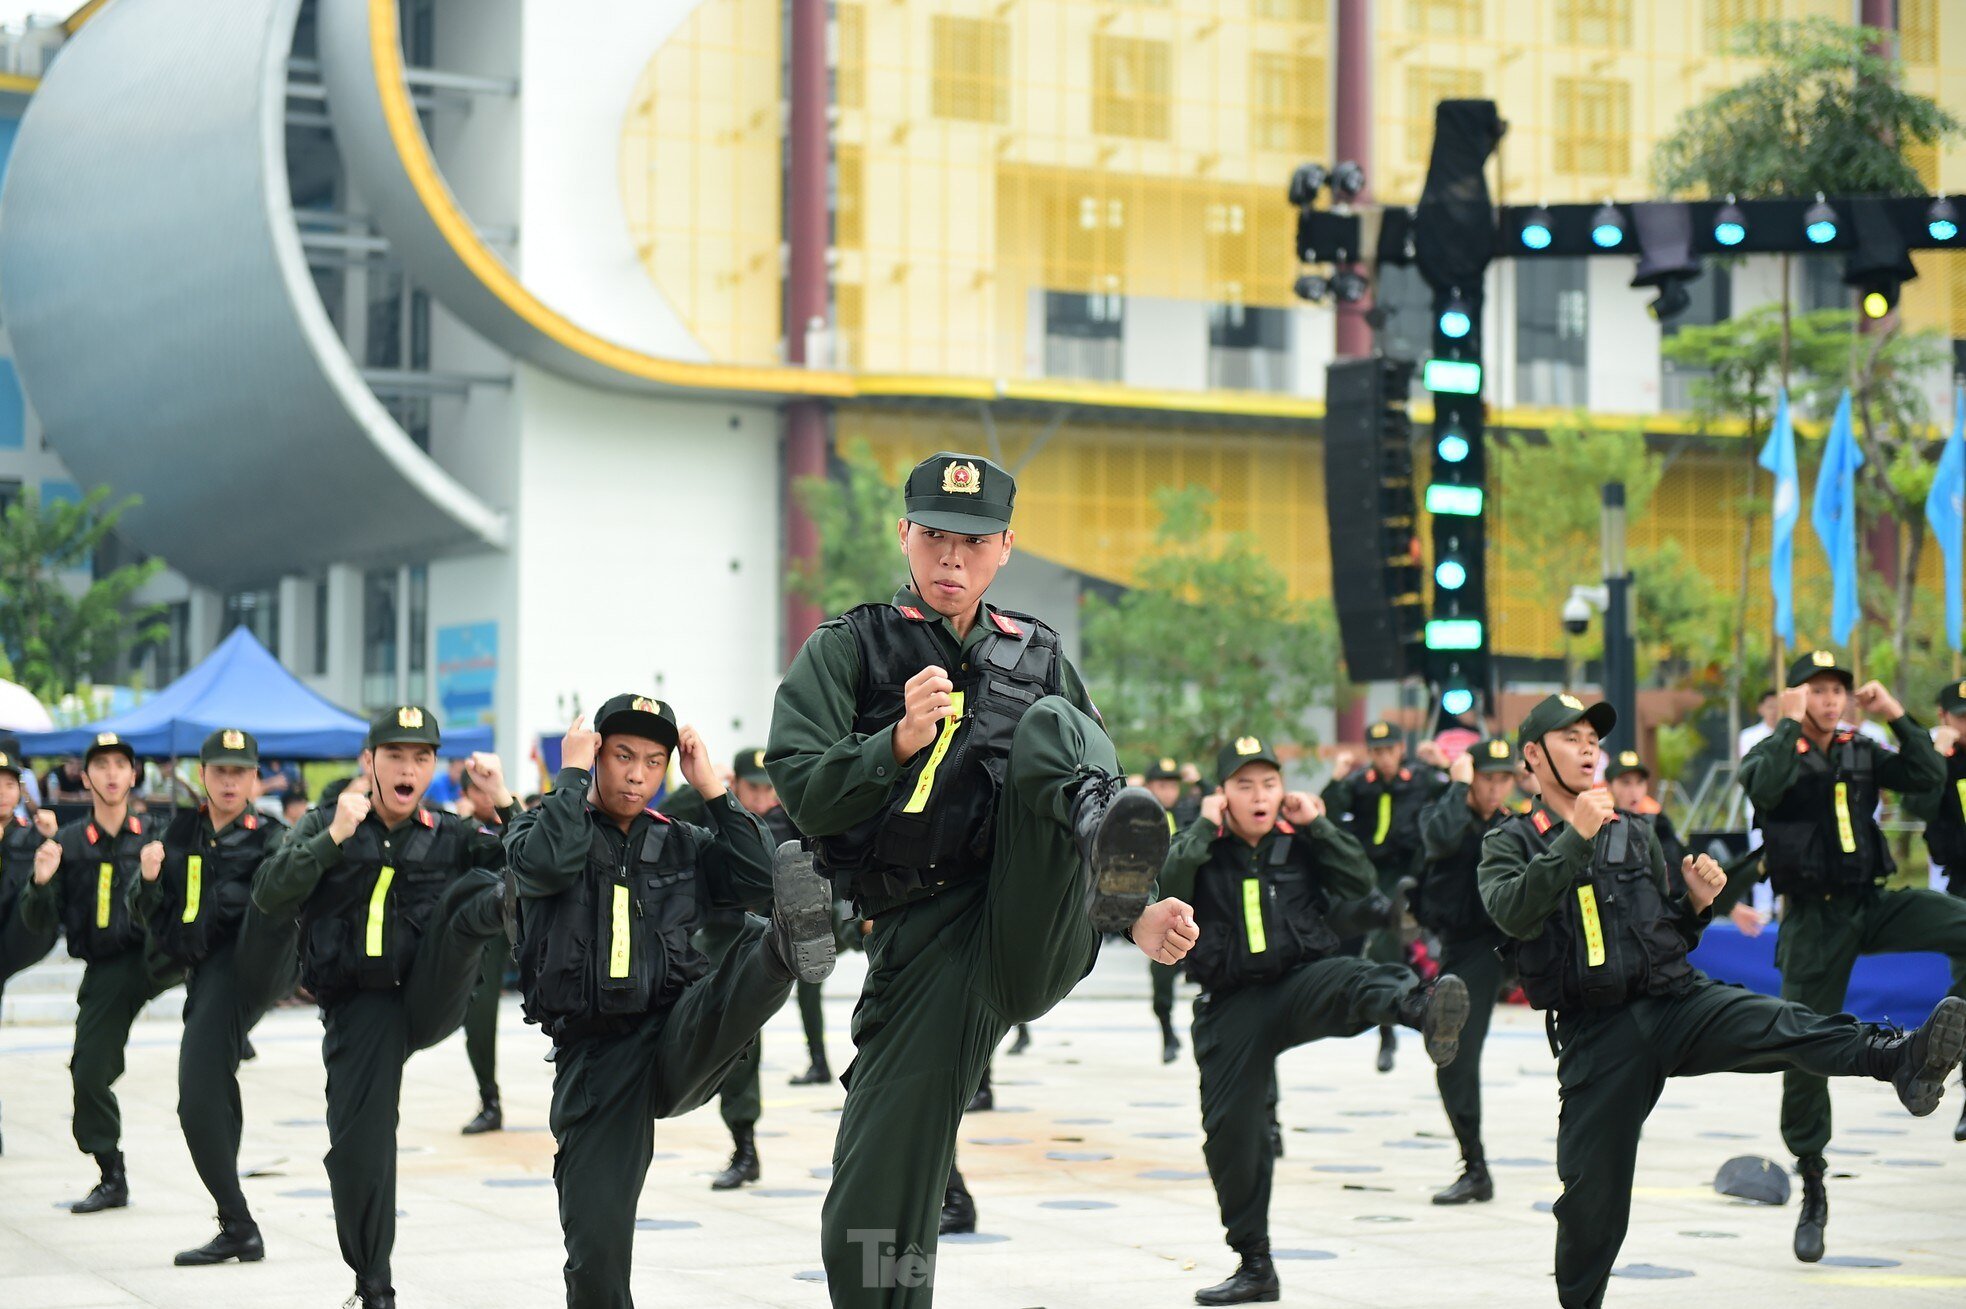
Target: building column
{"points": [[807, 223]]}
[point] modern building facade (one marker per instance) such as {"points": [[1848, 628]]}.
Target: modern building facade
{"points": [[447, 341]]}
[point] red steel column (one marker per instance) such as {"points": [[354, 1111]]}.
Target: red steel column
{"points": [[807, 223], [1351, 138]]}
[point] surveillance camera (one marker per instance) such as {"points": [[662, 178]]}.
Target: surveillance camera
{"points": [[1576, 615]]}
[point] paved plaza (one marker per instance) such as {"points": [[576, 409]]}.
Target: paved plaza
{"points": [[1088, 1178]]}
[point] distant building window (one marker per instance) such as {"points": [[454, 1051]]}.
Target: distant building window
{"points": [[1552, 326], [379, 594], [321, 627], [848, 198], [1248, 348], [1822, 284], [1292, 11], [170, 656], [13, 408], [9, 493], [1712, 301], [1593, 127], [1726, 17], [1082, 335], [1425, 88], [1444, 17], [1132, 87], [850, 62], [258, 611], [418, 689], [1918, 31], [1594, 22], [1287, 97], [971, 59]]}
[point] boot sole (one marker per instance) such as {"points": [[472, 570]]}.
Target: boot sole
{"points": [[244, 1258], [803, 901], [1261, 1297], [1945, 1041], [1445, 1017], [1127, 855]]}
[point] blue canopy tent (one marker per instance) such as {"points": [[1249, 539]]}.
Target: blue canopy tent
{"points": [[241, 685]]}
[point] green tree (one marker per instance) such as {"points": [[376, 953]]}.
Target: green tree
{"points": [[859, 560], [1824, 114], [54, 629], [1207, 643]]}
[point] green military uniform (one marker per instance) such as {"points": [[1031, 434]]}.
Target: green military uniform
{"points": [[1651, 813], [1269, 961], [1943, 808], [92, 899], [643, 1026], [1448, 902], [20, 946], [970, 857], [1186, 810], [1601, 945], [238, 964], [481, 1035], [393, 925], [1826, 857]]}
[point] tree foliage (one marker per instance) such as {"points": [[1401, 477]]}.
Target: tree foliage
{"points": [[1207, 644], [56, 629], [1824, 114], [859, 557]]}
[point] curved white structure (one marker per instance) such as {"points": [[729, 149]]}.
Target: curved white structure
{"points": [[212, 377]]}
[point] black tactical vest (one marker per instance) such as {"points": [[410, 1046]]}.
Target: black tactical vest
{"points": [[1261, 913], [1449, 897], [206, 884], [18, 842], [1822, 838], [1385, 815], [1612, 938], [940, 823], [99, 874], [1945, 835], [616, 944], [360, 928]]}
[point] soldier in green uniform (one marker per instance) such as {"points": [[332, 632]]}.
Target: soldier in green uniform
{"points": [[1944, 810], [1600, 943], [1447, 901], [1380, 806], [396, 902], [1815, 787], [1276, 885], [1631, 790], [481, 1015], [944, 758], [196, 897], [85, 880], [643, 1026], [1183, 807], [20, 836]]}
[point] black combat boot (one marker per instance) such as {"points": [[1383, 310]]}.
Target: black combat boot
{"points": [[1959, 1129], [1023, 1041], [1814, 1217], [743, 1162], [1255, 1282], [1170, 1044], [238, 1238], [958, 1207], [1122, 837], [375, 1295], [1276, 1137], [801, 935], [1918, 1062], [1388, 1046], [112, 1192], [1439, 1011], [246, 1052], [491, 1118], [984, 1100], [1473, 1187], [817, 1075]]}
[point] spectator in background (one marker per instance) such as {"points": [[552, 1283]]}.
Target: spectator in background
{"points": [[292, 806], [1770, 709], [30, 785], [62, 784], [447, 786], [277, 777]]}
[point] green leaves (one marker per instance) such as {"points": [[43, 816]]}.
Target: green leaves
{"points": [[859, 559], [58, 625], [1207, 644]]}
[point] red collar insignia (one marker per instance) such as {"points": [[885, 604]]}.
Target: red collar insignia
{"points": [[658, 815], [250, 821], [1842, 737], [427, 818], [1371, 774], [1541, 821], [1405, 774], [1283, 825], [1005, 626], [1802, 745], [910, 612]]}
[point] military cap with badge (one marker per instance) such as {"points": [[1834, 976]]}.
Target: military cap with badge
{"points": [[230, 745], [1625, 765], [628, 714], [1494, 755], [962, 493], [404, 725], [1242, 752], [1815, 664]]}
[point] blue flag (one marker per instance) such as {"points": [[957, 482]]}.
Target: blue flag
{"points": [[1778, 457], [1944, 507], [1835, 517]]}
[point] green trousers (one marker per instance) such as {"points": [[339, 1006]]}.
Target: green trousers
{"points": [[947, 977], [1819, 944], [21, 947], [1613, 1065], [739, 1101], [368, 1038], [1383, 944], [1474, 961], [112, 994], [813, 1019], [1163, 976], [224, 997], [1238, 1037], [481, 1019], [608, 1092]]}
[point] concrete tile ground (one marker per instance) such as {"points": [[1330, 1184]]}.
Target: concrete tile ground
{"points": [[1089, 1181]]}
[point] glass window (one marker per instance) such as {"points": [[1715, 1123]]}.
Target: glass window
{"points": [[1082, 335], [1132, 87], [384, 346], [1444, 17], [1287, 97], [1248, 348], [850, 60], [9, 492], [1551, 326], [170, 655], [379, 589], [1822, 284], [258, 611], [1594, 22], [1406, 302], [1712, 296], [419, 642], [971, 62], [321, 627], [1425, 88], [1725, 17], [1593, 126]]}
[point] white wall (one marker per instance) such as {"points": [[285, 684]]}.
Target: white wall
{"points": [[1165, 344], [1622, 341]]}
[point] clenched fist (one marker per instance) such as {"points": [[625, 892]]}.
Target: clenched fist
{"points": [[1795, 702], [693, 758], [1594, 808], [1165, 931], [487, 772], [1211, 808], [350, 810], [150, 860], [1302, 808], [1705, 879], [1879, 703], [927, 699], [1462, 770], [1944, 739], [46, 860], [44, 822]]}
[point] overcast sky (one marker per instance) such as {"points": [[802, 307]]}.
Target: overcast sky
{"points": [[12, 11]]}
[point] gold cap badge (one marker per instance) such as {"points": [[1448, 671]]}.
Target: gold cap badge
{"points": [[961, 479], [757, 759], [108, 738], [1570, 702], [1248, 745], [409, 716], [1498, 749], [1823, 659], [1379, 731], [1629, 759], [644, 705], [1167, 765], [233, 740], [6, 760]]}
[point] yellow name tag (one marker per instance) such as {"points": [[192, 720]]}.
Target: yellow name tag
{"points": [[926, 782], [105, 885], [1593, 928], [618, 939], [378, 911], [1385, 819], [194, 885], [1844, 832], [1252, 915], [1961, 785]]}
